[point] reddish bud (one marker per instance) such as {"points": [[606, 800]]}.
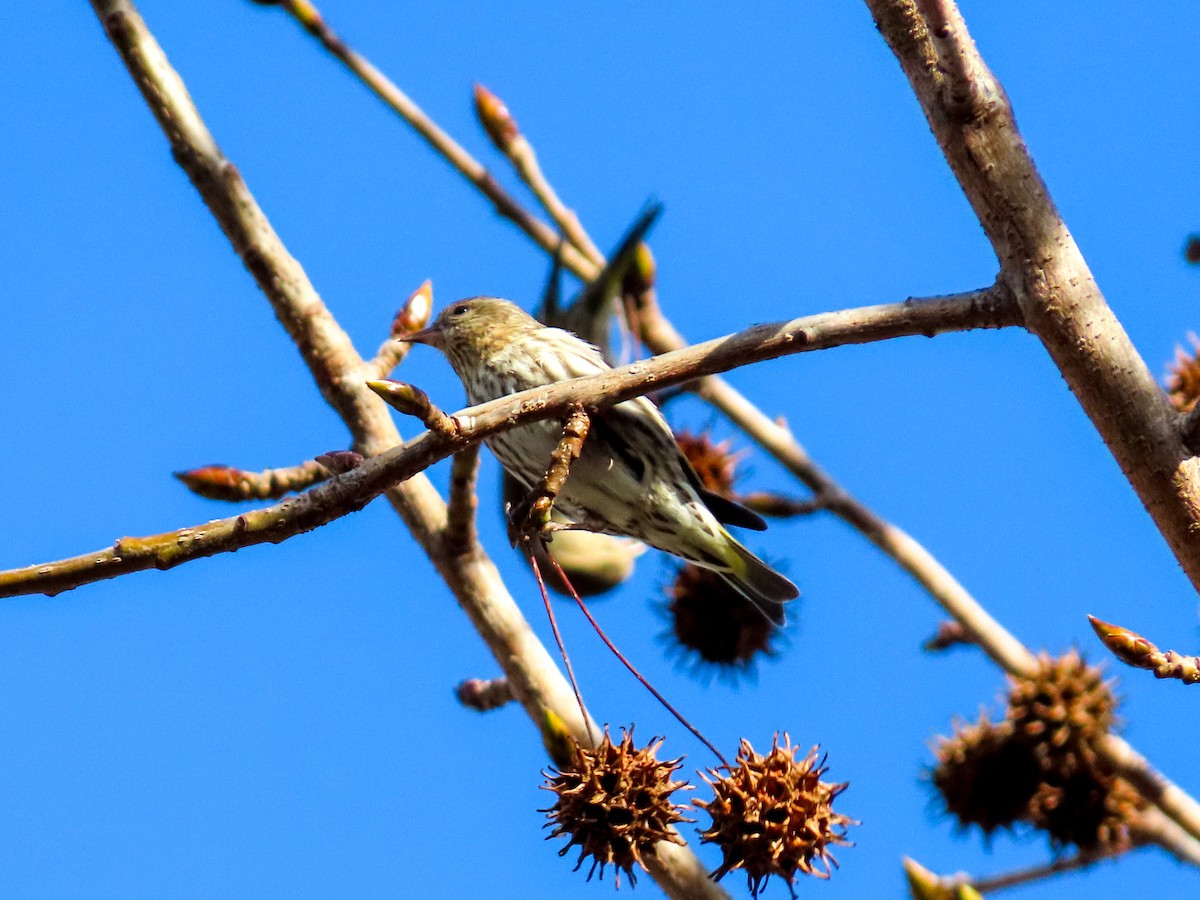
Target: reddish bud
{"points": [[414, 314], [215, 482], [497, 121], [1127, 646]]}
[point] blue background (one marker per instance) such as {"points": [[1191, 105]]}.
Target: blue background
{"points": [[280, 722]]}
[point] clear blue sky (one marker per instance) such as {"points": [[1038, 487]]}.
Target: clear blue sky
{"points": [[280, 722]]}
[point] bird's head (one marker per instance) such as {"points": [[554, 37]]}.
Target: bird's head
{"points": [[472, 329]]}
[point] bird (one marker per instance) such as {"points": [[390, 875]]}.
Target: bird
{"points": [[631, 478]]}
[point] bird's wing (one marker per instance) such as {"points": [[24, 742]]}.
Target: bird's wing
{"points": [[640, 421]]}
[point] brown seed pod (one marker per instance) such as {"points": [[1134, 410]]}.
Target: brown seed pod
{"points": [[1091, 810], [615, 804], [772, 815], [1061, 711], [713, 462], [984, 776], [1183, 376], [713, 624]]}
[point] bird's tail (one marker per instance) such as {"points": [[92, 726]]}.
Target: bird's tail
{"points": [[758, 582]]}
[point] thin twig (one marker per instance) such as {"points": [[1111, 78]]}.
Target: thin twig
{"points": [[462, 161], [562, 647], [231, 484], [1018, 877], [398, 466], [533, 522], [502, 128], [633, 670], [460, 535]]}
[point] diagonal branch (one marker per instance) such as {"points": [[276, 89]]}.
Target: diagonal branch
{"points": [[973, 122], [974, 125], [340, 374], [461, 536], [400, 466], [450, 150], [660, 336]]}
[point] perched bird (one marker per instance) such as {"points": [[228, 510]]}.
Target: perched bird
{"points": [[631, 478]]}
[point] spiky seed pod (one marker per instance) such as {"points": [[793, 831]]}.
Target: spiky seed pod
{"points": [[772, 815], [1061, 711], [984, 776], [1090, 810], [713, 462], [615, 804], [1183, 376], [713, 623]]}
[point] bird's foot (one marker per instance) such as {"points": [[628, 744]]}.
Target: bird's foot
{"points": [[532, 519]]}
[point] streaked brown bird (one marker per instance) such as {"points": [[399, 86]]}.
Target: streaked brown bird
{"points": [[631, 478]]}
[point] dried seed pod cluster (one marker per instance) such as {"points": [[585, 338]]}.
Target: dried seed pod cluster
{"points": [[1183, 376], [984, 776], [773, 815], [714, 624], [1061, 712], [615, 805], [1039, 765], [714, 462]]}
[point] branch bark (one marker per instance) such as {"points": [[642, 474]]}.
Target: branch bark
{"points": [[398, 469], [1040, 263], [341, 374]]}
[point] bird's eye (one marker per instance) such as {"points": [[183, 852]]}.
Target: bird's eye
{"points": [[460, 310]]}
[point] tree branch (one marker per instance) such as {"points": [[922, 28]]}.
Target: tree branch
{"points": [[340, 374], [460, 535], [973, 122], [661, 337], [401, 464], [449, 149], [974, 125]]}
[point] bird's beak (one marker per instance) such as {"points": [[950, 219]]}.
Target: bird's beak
{"points": [[431, 336]]}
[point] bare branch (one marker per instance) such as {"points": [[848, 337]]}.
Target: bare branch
{"points": [[451, 433], [776, 439], [466, 165], [974, 125], [502, 129], [532, 521], [1151, 827], [460, 535]]}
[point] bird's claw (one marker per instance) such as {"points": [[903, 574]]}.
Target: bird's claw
{"points": [[531, 520]]}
